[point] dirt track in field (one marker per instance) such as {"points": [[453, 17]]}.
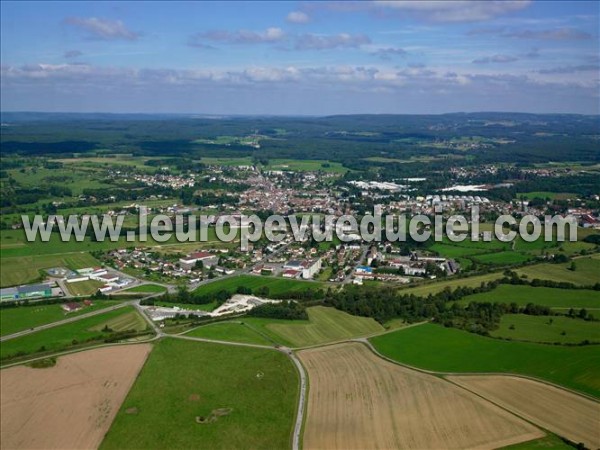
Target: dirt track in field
{"points": [[360, 401], [70, 405], [564, 413]]}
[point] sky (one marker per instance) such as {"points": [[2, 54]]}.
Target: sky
{"points": [[300, 58]]}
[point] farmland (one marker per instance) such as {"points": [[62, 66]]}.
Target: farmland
{"points": [[230, 331], [147, 289], [277, 286], [559, 299], [547, 329], [87, 287], [257, 388], [21, 318], [70, 405], [451, 350], [538, 403], [76, 333], [323, 325], [358, 400], [587, 271], [433, 288], [26, 269]]}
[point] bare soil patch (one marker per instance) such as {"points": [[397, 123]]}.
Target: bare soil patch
{"points": [[564, 413], [70, 405], [360, 401]]}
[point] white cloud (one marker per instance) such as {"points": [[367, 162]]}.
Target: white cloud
{"points": [[495, 59], [326, 42], [297, 17], [102, 28], [270, 35], [455, 10]]}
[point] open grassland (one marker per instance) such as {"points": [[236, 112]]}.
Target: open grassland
{"points": [[358, 400], [547, 329], [277, 286], [13, 320], [87, 287], [26, 269], [306, 165], [433, 347], [559, 299], [147, 289], [325, 325], [70, 405], [435, 287], [230, 331], [123, 322], [502, 258], [587, 271], [13, 243], [64, 336], [579, 418], [184, 382]]}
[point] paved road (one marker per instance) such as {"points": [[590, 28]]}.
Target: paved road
{"points": [[363, 255], [301, 402]]}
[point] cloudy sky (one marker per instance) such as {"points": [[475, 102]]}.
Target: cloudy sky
{"points": [[299, 58]]}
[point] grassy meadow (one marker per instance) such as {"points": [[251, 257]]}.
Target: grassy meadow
{"points": [[64, 336], [324, 325], [587, 271], [433, 347], [230, 331], [13, 320], [258, 390], [559, 299], [547, 329]]}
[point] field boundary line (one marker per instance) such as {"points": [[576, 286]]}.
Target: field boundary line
{"points": [[78, 350], [445, 374], [47, 326]]}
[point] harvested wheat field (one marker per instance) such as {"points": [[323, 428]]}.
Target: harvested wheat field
{"points": [[360, 401], [564, 413], [70, 405]]}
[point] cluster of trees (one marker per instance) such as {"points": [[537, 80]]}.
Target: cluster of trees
{"points": [[288, 310], [477, 317]]}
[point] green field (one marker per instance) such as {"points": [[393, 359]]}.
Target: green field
{"points": [[259, 387], [26, 269], [13, 320], [277, 286], [87, 287], [306, 165], [522, 295], [324, 325], [587, 271], [230, 331], [147, 289], [547, 329], [75, 333], [452, 283], [502, 258], [433, 347], [123, 322]]}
